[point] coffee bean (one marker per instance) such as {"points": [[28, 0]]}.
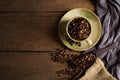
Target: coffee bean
{"points": [[76, 64], [79, 26]]}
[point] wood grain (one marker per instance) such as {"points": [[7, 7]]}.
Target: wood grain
{"points": [[43, 5], [33, 31], [32, 25], [28, 66], [28, 32]]}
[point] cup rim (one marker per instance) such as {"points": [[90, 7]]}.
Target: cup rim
{"points": [[69, 34]]}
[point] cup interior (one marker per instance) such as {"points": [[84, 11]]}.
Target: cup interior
{"points": [[78, 29]]}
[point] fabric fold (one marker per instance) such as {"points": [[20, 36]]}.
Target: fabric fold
{"points": [[109, 13]]}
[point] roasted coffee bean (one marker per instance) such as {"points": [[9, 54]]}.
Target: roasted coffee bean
{"points": [[83, 60], [61, 57], [78, 43], [76, 64], [69, 40], [72, 42], [78, 28]]}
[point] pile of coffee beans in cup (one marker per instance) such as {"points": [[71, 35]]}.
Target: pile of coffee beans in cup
{"points": [[76, 64], [79, 28]]}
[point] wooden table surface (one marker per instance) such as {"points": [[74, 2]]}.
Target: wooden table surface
{"points": [[28, 34]]}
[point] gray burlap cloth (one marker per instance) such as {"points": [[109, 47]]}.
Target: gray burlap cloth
{"points": [[97, 72]]}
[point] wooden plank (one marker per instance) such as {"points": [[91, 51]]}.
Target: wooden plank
{"points": [[31, 25], [29, 31], [43, 5], [28, 66], [25, 27]]}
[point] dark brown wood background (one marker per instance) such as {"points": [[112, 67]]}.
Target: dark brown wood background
{"points": [[28, 34]]}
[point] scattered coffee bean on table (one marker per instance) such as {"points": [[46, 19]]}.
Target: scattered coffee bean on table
{"points": [[60, 56], [77, 64], [83, 61], [79, 28], [73, 42]]}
